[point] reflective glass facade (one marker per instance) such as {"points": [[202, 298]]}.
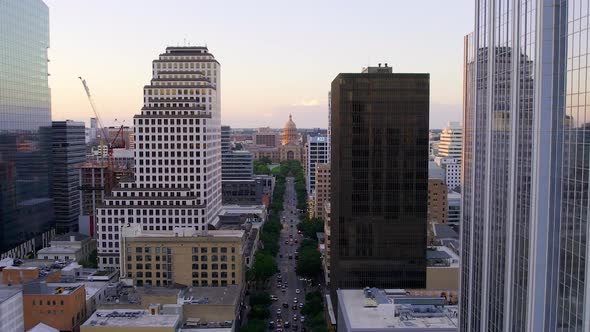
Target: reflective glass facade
{"points": [[26, 209], [379, 161], [526, 168]]}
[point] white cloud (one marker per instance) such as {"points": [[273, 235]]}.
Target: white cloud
{"points": [[308, 102]]}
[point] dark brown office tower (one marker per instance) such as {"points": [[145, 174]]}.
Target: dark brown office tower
{"points": [[379, 179]]}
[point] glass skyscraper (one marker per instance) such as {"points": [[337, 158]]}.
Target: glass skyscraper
{"points": [[379, 162], [26, 208], [526, 168]]}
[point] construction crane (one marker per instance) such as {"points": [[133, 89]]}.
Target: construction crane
{"points": [[104, 130]]}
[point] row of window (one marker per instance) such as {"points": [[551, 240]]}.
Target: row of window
{"points": [[184, 65], [150, 212], [164, 92]]}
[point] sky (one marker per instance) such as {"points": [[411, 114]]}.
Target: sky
{"points": [[277, 57]]}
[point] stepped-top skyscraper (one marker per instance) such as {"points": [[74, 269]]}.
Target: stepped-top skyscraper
{"points": [[379, 161], [177, 153], [525, 227], [26, 207]]}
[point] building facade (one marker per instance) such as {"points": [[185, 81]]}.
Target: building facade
{"points": [[177, 179], [525, 229], [316, 151], [437, 201], [452, 171], [451, 141], [61, 307], [68, 149], [379, 187], [322, 189], [26, 205], [163, 258], [266, 137], [11, 309]]}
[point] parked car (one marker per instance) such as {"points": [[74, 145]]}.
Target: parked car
{"points": [[300, 304]]}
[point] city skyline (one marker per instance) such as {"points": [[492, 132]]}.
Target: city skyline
{"points": [[294, 79]]}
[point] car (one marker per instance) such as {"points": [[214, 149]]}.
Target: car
{"points": [[283, 290], [295, 327], [290, 236], [295, 300], [300, 304], [298, 231], [290, 256], [285, 305], [295, 317], [297, 291], [286, 241], [285, 286], [286, 324], [302, 319], [280, 255], [291, 225], [295, 240], [278, 311], [274, 298], [279, 329], [271, 324]]}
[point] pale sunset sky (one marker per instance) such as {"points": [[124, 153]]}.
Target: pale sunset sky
{"points": [[277, 57]]}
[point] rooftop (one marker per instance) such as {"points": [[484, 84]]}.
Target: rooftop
{"points": [[441, 256], [6, 292], [374, 309], [42, 288], [227, 295], [442, 231], [131, 318], [135, 231], [67, 237]]}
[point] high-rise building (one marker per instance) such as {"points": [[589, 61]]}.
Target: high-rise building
{"points": [[322, 189], [451, 168], [525, 228], [379, 193], [68, 150], [235, 165], [437, 201], [26, 207], [177, 179], [451, 141], [316, 152]]}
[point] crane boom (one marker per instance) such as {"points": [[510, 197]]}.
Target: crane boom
{"points": [[94, 109]]}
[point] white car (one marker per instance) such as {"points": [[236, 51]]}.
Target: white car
{"points": [[297, 291], [302, 319]]}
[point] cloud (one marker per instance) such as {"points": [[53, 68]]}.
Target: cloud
{"points": [[307, 102]]}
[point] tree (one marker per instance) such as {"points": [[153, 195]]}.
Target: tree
{"points": [[264, 266], [260, 299], [91, 261], [309, 264], [258, 312], [309, 228], [254, 325]]}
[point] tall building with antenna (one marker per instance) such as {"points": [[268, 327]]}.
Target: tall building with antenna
{"points": [[177, 179]]}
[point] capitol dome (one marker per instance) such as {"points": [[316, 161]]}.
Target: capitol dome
{"points": [[290, 135]]}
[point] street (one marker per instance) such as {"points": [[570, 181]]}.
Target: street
{"points": [[289, 219]]}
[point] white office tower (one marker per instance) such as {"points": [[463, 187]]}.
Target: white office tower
{"points": [[177, 153], [451, 141]]}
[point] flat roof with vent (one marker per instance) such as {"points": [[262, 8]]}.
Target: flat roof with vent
{"points": [[131, 318], [373, 310]]}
